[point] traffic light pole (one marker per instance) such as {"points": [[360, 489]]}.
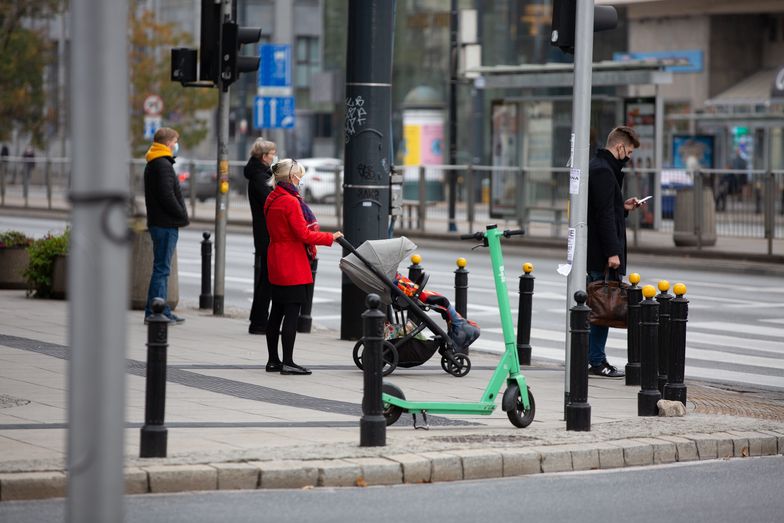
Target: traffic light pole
{"points": [[578, 203], [452, 116], [222, 192]]}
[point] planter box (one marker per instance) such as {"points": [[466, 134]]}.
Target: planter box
{"points": [[141, 270], [59, 277], [13, 262]]}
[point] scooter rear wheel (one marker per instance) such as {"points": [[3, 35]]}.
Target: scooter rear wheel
{"points": [[388, 352], [519, 416], [392, 412]]}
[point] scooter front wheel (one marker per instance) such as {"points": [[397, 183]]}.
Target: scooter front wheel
{"points": [[518, 415], [392, 412]]}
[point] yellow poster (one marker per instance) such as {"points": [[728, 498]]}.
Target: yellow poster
{"points": [[412, 134]]}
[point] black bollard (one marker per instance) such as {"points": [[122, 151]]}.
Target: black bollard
{"points": [[578, 410], [305, 321], [649, 394], [205, 298], [372, 425], [664, 333], [154, 433], [524, 311], [634, 294], [415, 270], [675, 390], [461, 288]]}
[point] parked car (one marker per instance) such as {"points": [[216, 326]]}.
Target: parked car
{"points": [[319, 181], [205, 179]]}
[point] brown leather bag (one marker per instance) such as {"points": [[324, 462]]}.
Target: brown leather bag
{"points": [[609, 302]]}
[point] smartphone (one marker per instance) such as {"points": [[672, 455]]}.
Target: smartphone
{"points": [[640, 202]]}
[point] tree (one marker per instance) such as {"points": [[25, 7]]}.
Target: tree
{"points": [[24, 53], [150, 68]]}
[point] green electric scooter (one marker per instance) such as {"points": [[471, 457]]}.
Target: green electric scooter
{"points": [[518, 402]]}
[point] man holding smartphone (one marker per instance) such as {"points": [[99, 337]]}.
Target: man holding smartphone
{"points": [[607, 213]]}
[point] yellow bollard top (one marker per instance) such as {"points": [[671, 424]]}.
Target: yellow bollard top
{"points": [[416, 259], [679, 289], [649, 291], [528, 267], [634, 278], [461, 263], [664, 285]]}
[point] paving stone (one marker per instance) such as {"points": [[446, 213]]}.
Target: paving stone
{"points": [[287, 474], [686, 449], [337, 473], [481, 464], [237, 476], [518, 462], [610, 456], [706, 445], [444, 466], [416, 469], [635, 453], [584, 457], [181, 478], [136, 481], [379, 471], [779, 436], [756, 443], [663, 451], [555, 458], [32, 485], [724, 447]]}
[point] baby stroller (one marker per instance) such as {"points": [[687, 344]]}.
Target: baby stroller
{"points": [[413, 336]]}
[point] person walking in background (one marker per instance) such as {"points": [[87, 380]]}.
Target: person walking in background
{"points": [[294, 234], [607, 213], [166, 213], [29, 165], [257, 171]]}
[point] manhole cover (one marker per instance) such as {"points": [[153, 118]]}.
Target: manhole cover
{"points": [[710, 400]]}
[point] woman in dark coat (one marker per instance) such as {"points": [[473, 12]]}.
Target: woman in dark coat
{"points": [[258, 173], [294, 234]]}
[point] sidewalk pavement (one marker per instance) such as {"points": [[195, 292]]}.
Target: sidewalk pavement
{"points": [[234, 426]]}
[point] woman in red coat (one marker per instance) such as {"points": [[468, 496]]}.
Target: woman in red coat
{"points": [[294, 234]]}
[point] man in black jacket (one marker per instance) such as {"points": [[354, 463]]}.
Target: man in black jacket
{"points": [[257, 171], [166, 213], [607, 213]]}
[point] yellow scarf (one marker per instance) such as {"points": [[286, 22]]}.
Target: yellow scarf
{"points": [[157, 150]]}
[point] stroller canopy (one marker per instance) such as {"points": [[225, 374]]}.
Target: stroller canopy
{"points": [[384, 255]]}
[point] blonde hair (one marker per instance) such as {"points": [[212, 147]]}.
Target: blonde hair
{"points": [[282, 170], [261, 147], [165, 135]]}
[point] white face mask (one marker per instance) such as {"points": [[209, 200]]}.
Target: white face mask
{"points": [[274, 160]]}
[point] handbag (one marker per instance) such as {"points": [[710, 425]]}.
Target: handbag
{"points": [[609, 302]]}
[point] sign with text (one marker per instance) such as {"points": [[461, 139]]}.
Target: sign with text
{"points": [[275, 67], [273, 112]]}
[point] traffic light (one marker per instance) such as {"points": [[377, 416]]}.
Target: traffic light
{"points": [[183, 65], [232, 63], [605, 17], [211, 18]]}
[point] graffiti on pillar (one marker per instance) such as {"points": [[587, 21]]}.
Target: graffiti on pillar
{"points": [[356, 115], [366, 172], [369, 194]]}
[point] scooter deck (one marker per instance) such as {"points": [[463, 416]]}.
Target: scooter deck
{"points": [[440, 407]]}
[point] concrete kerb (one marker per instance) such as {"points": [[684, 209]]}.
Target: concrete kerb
{"points": [[423, 467]]}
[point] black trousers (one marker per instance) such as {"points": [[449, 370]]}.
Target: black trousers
{"points": [[259, 310], [288, 315]]}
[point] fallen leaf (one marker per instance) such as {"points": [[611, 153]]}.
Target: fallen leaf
{"points": [[361, 482]]}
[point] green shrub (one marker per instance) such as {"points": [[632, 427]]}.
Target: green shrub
{"points": [[14, 239], [42, 254]]}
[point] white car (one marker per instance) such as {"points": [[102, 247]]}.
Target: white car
{"points": [[319, 181]]}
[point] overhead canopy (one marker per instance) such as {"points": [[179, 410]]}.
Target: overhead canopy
{"points": [[757, 89]]}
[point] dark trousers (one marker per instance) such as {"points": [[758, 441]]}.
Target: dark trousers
{"points": [[259, 310]]}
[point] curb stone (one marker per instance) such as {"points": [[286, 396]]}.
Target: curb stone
{"points": [[584, 457], [286, 474], [707, 448], [610, 456], [136, 481], [663, 451], [379, 471], [481, 464], [685, 449], [724, 447], [444, 466], [556, 458], [32, 485], [779, 437], [416, 469], [635, 453], [519, 462], [181, 478], [236, 476], [337, 473]]}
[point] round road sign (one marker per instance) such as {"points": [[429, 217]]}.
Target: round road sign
{"points": [[153, 105]]}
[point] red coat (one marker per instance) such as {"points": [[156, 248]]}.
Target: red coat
{"points": [[287, 260]]}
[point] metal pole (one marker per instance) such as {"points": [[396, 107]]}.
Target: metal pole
{"points": [[368, 153], [578, 411], [658, 151], [372, 425], [452, 116], [675, 390], [633, 331], [649, 394], [664, 333], [205, 298], [461, 288], [98, 267], [154, 434], [222, 193], [578, 203], [524, 312]]}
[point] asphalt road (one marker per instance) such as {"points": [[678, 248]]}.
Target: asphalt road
{"points": [[736, 319], [718, 491]]}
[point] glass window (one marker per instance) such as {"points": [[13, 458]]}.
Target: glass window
{"points": [[308, 59]]}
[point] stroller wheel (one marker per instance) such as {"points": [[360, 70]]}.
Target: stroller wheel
{"points": [[458, 366], [519, 417], [392, 412], [389, 353]]}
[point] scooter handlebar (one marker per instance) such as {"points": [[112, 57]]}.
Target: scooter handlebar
{"points": [[473, 236], [514, 232]]}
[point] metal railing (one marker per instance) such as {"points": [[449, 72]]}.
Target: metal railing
{"points": [[735, 203]]}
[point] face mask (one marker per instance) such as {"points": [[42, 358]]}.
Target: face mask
{"points": [[274, 160], [175, 149], [626, 158], [300, 183]]}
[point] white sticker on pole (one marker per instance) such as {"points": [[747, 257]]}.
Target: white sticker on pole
{"points": [[571, 151], [565, 268], [574, 181]]}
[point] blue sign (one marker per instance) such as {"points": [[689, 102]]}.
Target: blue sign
{"points": [[694, 56], [275, 67], [273, 112]]}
